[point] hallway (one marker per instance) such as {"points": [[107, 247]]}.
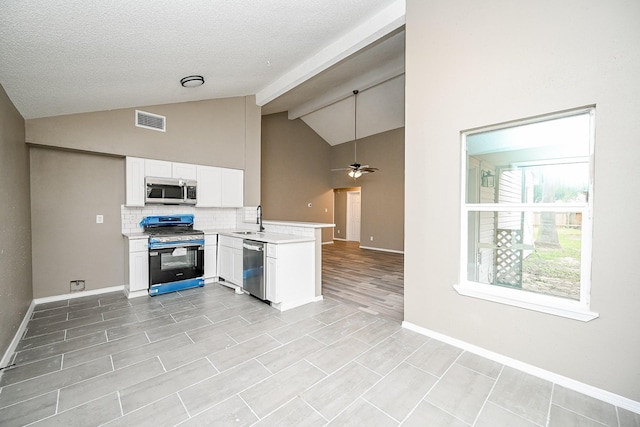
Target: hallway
{"points": [[371, 280]]}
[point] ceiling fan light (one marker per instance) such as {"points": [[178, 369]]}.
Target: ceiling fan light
{"points": [[355, 174]]}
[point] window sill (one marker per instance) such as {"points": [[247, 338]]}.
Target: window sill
{"points": [[528, 300]]}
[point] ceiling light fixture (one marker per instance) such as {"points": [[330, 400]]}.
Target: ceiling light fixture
{"points": [[192, 81]]}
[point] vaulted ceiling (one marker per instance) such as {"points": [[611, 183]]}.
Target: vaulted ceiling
{"points": [[303, 57]]}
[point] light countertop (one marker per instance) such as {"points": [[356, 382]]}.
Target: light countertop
{"points": [[267, 237]]}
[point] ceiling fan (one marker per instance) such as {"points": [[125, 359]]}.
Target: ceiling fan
{"points": [[356, 170]]}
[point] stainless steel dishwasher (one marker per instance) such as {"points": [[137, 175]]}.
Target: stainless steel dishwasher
{"points": [[253, 255]]}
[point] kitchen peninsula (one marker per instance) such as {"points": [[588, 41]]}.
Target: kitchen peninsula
{"points": [[292, 262]]}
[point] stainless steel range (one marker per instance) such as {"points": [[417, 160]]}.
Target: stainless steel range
{"points": [[176, 253]]}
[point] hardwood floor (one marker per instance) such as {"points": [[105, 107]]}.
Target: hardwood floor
{"points": [[371, 280]]}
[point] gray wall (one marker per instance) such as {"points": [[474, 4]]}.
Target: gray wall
{"points": [[470, 64], [15, 224], [295, 172], [382, 201], [68, 190]]}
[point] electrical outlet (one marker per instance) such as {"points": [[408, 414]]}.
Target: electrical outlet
{"points": [[99, 219], [338, 231], [371, 238], [76, 285]]}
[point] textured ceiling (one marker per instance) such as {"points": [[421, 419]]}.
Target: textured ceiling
{"points": [[76, 56]]}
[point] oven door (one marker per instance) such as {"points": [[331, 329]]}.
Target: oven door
{"points": [[176, 263]]}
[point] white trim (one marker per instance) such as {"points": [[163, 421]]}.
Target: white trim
{"points": [[328, 243], [382, 250], [529, 300], [597, 393], [341, 239], [79, 294], [16, 338]]}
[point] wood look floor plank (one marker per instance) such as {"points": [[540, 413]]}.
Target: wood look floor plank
{"points": [[371, 280]]}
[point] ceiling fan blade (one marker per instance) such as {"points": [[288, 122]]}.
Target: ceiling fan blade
{"points": [[368, 170], [341, 169]]}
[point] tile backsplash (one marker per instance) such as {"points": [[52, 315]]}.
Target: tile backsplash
{"points": [[204, 218]]}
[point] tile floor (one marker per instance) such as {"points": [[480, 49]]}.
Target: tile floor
{"points": [[210, 357]]}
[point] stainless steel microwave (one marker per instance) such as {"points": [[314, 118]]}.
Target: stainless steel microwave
{"points": [[170, 191]]}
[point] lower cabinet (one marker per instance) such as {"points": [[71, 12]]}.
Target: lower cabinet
{"points": [[272, 279], [210, 257], [137, 267], [290, 274], [230, 259]]}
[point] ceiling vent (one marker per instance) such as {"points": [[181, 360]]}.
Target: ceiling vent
{"points": [[150, 121]]}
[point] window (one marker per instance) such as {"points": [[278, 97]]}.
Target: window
{"points": [[526, 213]]}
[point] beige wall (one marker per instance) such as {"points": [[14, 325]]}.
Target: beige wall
{"points": [[475, 63], [382, 202], [68, 190], [15, 224], [217, 132], [295, 172]]}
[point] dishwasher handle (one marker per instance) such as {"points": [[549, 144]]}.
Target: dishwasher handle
{"points": [[252, 247]]}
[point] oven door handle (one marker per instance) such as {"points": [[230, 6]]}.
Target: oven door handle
{"points": [[252, 248], [173, 245]]}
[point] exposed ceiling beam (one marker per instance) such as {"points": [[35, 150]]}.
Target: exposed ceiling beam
{"points": [[383, 23], [345, 90]]}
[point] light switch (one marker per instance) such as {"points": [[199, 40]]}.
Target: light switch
{"points": [[99, 219]]}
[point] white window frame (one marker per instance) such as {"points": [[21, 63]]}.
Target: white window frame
{"points": [[573, 309]]}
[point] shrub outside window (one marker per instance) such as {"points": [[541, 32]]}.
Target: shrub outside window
{"points": [[526, 213]]}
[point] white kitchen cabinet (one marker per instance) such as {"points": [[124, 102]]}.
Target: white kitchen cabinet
{"points": [[135, 174], [232, 193], [230, 259], [183, 170], [290, 274], [137, 268], [210, 257], [271, 269], [220, 187], [209, 186], [158, 168]]}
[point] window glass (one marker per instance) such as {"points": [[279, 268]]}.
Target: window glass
{"points": [[527, 206]]}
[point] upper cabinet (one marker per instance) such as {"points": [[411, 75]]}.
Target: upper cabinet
{"points": [[157, 168], [217, 187], [164, 169], [135, 174], [220, 187], [183, 170]]}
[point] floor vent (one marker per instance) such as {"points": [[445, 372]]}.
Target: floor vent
{"points": [[150, 121]]}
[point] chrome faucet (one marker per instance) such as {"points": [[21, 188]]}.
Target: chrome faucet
{"points": [[259, 218]]}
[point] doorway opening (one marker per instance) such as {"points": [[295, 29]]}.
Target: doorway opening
{"points": [[346, 212]]}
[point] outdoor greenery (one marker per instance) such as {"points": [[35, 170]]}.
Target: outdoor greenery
{"points": [[555, 270]]}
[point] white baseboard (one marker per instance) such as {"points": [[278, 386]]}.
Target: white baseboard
{"points": [[79, 294], [6, 358], [342, 240], [569, 383], [328, 243], [382, 250]]}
